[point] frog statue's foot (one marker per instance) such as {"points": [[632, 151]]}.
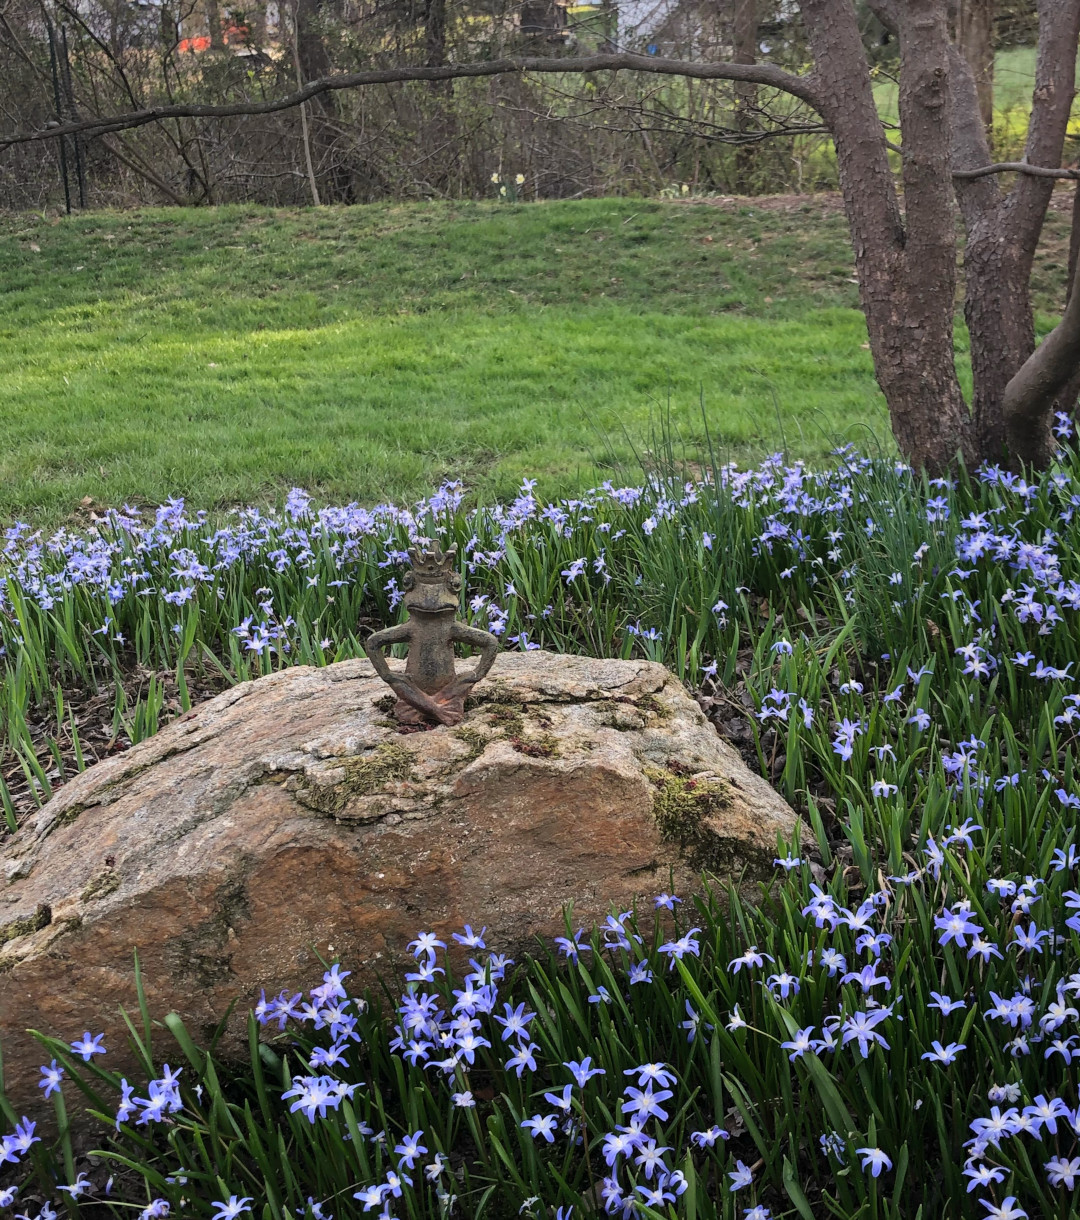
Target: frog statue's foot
{"points": [[449, 713], [451, 708], [415, 707], [405, 713]]}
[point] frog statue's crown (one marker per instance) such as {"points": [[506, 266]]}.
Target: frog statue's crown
{"points": [[434, 566]]}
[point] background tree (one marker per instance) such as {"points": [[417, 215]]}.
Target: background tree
{"points": [[975, 39], [744, 47]]}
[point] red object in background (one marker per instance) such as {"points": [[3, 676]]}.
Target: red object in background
{"points": [[231, 35]]}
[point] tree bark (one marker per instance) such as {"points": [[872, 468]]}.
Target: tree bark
{"points": [[213, 21], [996, 304], [1039, 380], [937, 418], [435, 33], [315, 64], [305, 129]]}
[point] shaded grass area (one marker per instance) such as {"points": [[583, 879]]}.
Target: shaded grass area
{"points": [[366, 353]]}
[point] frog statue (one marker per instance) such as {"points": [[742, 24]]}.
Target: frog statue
{"points": [[430, 688]]}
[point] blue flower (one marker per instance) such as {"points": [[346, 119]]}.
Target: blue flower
{"points": [[231, 1209], [516, 1021], [541, 1125], [646, 1102], [52, 1075], [583, 1072], [875, 1160], [944, 1054], [523, 1058], [956, 925], [87, 1047], [410, 1149], [677, 949], [740, 1176], [708, 1138], [799, 1044]]}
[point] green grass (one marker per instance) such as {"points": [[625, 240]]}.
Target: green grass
{"points": [[366, 353], [227, 354]]}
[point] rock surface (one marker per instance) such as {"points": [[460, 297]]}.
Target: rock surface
{"points": [[289, 817]]}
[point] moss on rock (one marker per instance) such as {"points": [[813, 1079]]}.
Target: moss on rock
{"points": [[41, 918], [538, 745], [474, 739], [363, 775], [681, 804], [101, 886], [650, 705]]}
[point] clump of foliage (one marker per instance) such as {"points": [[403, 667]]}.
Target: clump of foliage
{"points": [[892, 1026]]}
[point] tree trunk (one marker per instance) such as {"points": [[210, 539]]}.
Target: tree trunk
{"points": [[1003, 234], [213, 21], [997, 308], [744, 38], [906, 273], [315, 62], [435, 32], [975, 38], [1067, 399], [996, 305], [311, 48], [1039, 380]]}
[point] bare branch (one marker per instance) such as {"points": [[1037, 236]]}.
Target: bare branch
{"points": [[1016, 167], [804, 87]]}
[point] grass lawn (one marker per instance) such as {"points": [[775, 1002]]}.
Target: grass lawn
{"points": [[1014, 80], [366, 353]]}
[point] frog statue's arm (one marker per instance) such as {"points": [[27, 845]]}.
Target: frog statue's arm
{"points": [[475, 637], [488, 644], [398, 683]]}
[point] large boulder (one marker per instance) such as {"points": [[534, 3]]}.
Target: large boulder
{"points": [[291, 818]]}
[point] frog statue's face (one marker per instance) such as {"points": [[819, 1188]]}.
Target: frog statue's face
{"points": [[433, 584]]}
